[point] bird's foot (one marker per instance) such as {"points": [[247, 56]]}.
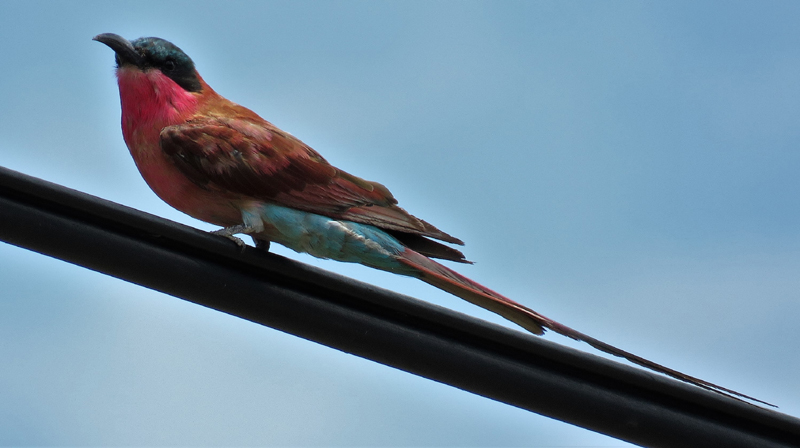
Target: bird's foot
{"points": [[261, 244], [251, 225], [229, 232], [239, 242]]}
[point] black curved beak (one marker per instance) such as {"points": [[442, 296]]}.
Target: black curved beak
{"points": [[122, 47]]}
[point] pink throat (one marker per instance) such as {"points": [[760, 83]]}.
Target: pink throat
{"points": [[151, 101]]}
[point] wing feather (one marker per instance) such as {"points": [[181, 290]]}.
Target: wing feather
{"points": [[256, 159]]}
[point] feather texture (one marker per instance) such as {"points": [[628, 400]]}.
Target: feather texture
{"points": [[253, 158], [222, 163]]}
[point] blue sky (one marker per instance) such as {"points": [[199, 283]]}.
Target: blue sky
{"points": [[627, 168]]}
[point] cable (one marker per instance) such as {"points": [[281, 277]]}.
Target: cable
{"points": [[389, 328]]}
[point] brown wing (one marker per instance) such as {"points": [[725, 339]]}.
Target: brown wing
{"points": [[259, 160]]}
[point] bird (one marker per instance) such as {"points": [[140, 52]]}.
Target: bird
{"points": [[221, 163]]}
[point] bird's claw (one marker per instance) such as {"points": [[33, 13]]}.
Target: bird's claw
{"points": [[228, 233]]}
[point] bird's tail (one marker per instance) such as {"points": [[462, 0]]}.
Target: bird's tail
{"points": [[473, 292]]}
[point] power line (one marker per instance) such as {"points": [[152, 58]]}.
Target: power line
{"points": [[373, 323]]}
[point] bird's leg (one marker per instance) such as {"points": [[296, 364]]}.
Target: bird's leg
{"points": [[261, 244], [251, 224], [229, 232]]}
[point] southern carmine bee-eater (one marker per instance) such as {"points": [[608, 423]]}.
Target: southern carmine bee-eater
{"points": [[221, 163]]}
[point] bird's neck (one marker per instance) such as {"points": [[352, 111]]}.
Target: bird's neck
{"points": [[150, 102]]}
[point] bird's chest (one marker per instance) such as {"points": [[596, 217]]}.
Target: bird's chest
{"points": [[174, 188]]}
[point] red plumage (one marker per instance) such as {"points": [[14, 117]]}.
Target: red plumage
{"points": [[212, 159]]}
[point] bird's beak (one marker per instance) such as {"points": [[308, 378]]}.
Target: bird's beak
{"points": [[122, 47]]}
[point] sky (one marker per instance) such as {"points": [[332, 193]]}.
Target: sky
{"points": [[629, 169]]}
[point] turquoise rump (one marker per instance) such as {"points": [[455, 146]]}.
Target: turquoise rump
{"points": [[223, 164], [324, 237]]}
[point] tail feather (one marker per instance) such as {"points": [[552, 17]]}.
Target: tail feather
{"points": [[473, 292]]}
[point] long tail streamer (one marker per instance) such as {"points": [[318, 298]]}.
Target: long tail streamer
{"points": [[456, 284]]}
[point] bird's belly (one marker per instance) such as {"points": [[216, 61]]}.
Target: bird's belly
{"points": [[178, 191]]}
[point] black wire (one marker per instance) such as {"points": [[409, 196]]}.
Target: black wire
{"points": [[395, 330]]}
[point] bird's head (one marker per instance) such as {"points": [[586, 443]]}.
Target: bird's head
{"points": [[152, 53], [158, 84]]}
